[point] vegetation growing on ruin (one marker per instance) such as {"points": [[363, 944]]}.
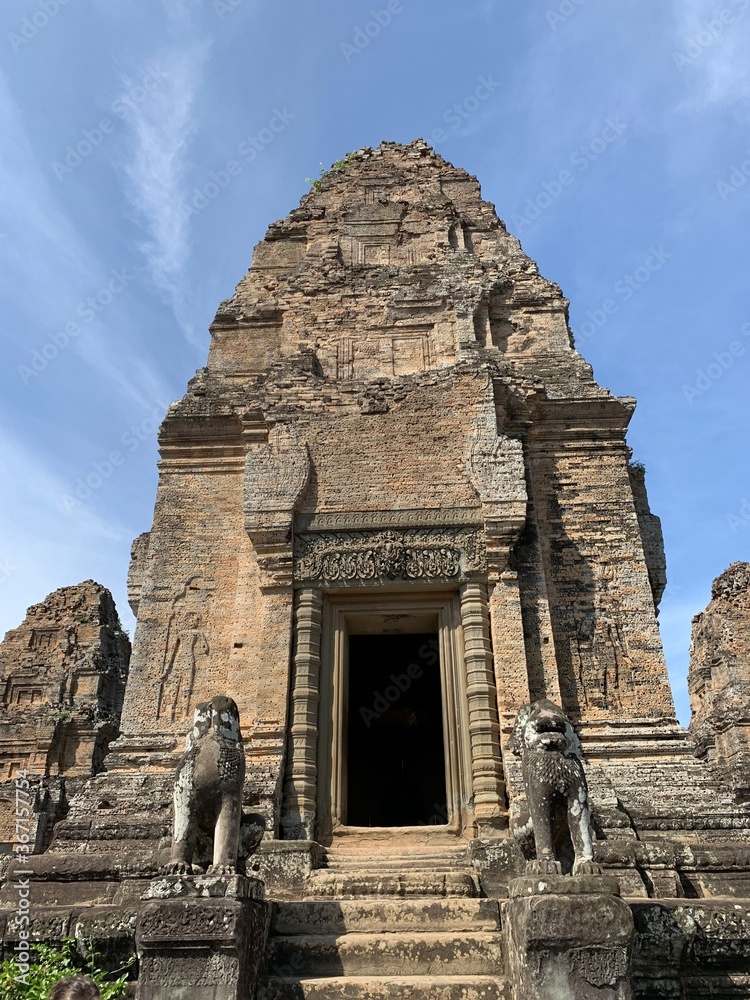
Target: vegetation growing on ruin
{"points": [[339, 167], [49, 965]]}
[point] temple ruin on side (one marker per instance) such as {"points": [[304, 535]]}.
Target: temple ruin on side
{"points": [[394, 508]]}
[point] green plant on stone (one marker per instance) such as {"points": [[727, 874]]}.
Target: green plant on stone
{"points": [[315, 181], [58, 714], [49, 965], [337, 168]]}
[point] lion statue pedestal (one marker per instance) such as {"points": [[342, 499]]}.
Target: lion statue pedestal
{"points": [[201, 934]]}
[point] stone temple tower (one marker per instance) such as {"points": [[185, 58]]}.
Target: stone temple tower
{"points": [[393, 508], [394, 447], [396, 459]]}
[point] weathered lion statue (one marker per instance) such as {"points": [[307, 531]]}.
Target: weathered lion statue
{"points": [[555, 788], [208, 789]]}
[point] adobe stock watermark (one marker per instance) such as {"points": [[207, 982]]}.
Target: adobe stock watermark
{"points": [[123, 107], [224, 7], [461, 111], [249, 150], [623, 291], [7, 569], [709, 33], [370, 30], [580, 161], [383, 700], [563, 12], [722, 361], [34, 23], [738, 177], [21, 850], [130, 441], [439, 816], [85, 312], [741, 519]]}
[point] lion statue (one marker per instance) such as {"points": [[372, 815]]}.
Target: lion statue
{"points": [[208, 790], [555, 788]]}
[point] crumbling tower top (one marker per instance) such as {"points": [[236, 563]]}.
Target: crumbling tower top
{"points": [[393, 264]]}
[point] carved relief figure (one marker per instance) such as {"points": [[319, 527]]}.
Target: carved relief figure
{"points": [[555, 786], [186, 647], [208, 789], [601, 647]]}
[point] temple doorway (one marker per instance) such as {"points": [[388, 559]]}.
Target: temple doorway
{"points": [[395, 742]]}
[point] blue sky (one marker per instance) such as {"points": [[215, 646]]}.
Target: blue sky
{"points": [[146, 146]]}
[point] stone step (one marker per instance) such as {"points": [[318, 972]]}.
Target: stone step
{"points": [[385, 988], [342, 885], [381, 916], [436, 953], [405, 857], [396, 864]]}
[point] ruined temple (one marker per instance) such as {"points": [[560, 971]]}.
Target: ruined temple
{"points": [[719, 677], [394, 508], [62, 680]]}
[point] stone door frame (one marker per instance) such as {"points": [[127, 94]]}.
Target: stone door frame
{"points": [[314, 787], [339, 610]]}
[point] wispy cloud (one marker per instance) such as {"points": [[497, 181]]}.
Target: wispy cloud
{"points": [[158, 162], [57, 285]]}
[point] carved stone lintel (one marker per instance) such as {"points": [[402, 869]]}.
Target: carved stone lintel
{"points": [[413, 554], [371, 520]]}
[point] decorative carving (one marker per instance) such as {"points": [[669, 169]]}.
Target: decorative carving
{"points": [[276, 476], [158, 921], [186, 649], [494, 461], [600, 652], [208, 789], [345, 358], [600, 966], [496, 467], [553, 779], [198, 946], [601, 645], [444, 553], [364, 520], [277, 473]]}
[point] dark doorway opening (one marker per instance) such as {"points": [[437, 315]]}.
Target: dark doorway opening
{"points": [[395, 752]]}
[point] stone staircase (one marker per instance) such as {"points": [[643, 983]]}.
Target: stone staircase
{"points": [[350, 872], [412, 928]]}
